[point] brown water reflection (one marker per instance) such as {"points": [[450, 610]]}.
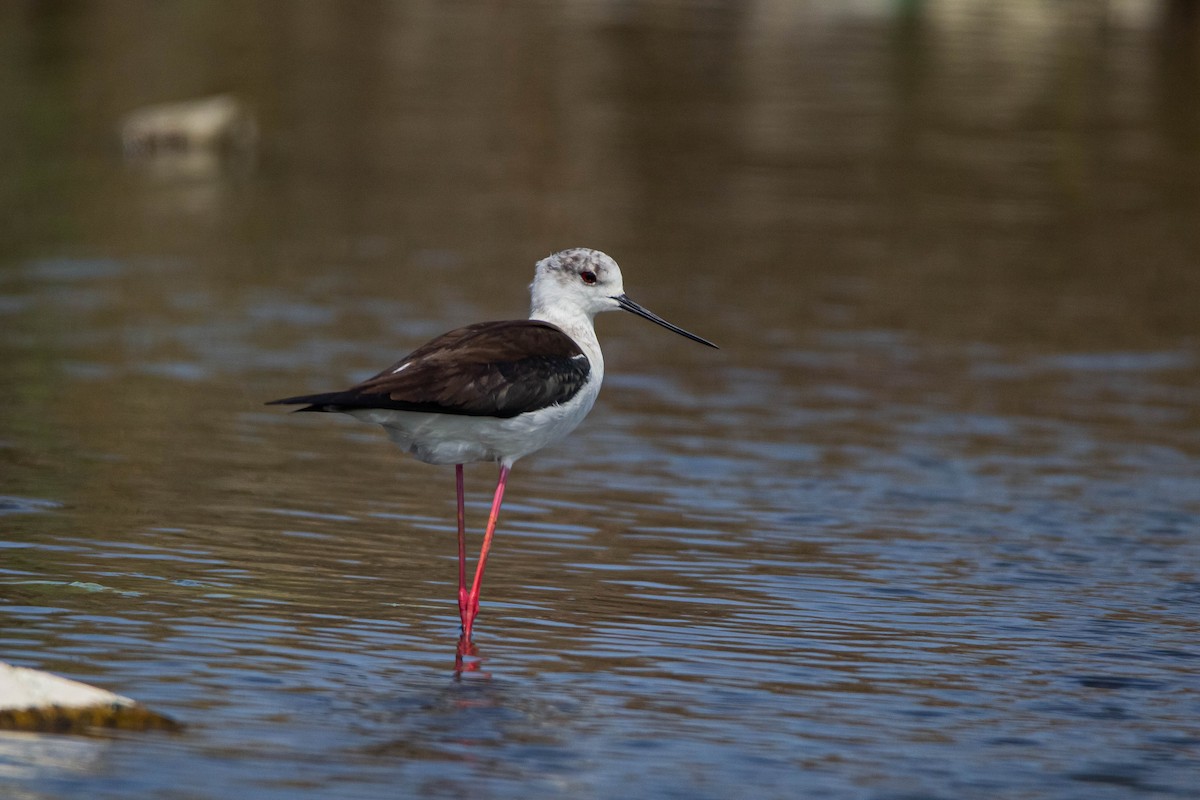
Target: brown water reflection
{"points": [[926, 526]]}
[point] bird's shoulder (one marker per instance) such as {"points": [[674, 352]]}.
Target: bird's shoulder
{"points": [[492, 342]]}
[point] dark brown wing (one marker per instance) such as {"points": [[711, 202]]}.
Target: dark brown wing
{"points": [[491, 369]]}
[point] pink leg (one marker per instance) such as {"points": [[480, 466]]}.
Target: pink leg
{"points": [[462, 546], [473, 598]]}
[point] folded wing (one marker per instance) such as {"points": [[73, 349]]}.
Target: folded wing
{"points": [[491, 369]]}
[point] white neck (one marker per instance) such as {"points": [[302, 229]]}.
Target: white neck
{"points": [[578, 325]]}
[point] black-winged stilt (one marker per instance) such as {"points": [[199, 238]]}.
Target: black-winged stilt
{"points": [[497, 391]]}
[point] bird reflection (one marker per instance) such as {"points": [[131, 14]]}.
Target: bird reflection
{"points": [[467, 658]]}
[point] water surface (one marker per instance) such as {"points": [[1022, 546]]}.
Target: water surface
{"points": [[927, 525]]}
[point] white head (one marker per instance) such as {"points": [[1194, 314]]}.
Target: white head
{"points": [[583, 281]]}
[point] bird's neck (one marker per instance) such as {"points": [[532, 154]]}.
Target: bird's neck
{"points": [[579, 327]]}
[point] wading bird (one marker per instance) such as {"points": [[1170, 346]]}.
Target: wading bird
{"points": [[497, 391]]}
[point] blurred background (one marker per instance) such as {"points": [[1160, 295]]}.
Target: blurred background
{"points": [[924, 527], [942, 155]]}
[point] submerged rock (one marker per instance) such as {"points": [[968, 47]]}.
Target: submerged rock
{"points": [[32, 700]]}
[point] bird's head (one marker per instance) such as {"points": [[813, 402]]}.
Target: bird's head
{"points": [[587, 281]]}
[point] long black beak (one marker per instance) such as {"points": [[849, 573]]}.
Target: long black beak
{"points": [[628, 305]]}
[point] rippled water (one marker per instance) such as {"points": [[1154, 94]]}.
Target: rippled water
{"points": [[927, 525]]}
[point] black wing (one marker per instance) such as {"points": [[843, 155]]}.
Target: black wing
{"points": [[491, 369]]}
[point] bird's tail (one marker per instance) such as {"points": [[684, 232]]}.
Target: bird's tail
{"points": [[311, 402]]}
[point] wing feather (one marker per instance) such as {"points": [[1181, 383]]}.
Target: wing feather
{"points": [[493, 369]]}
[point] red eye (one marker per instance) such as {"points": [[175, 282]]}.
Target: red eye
{"points": [[588, 277]]}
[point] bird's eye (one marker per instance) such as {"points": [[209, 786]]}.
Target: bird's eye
{"points": [[588, 277]]}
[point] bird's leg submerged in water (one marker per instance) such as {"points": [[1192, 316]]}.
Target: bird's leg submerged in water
{"points": [[471, 607], [462, 546], [466, 656]]}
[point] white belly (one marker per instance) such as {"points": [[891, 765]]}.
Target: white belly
{"points": [[461, 439]]}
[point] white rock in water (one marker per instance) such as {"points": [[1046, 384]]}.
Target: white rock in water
{"points": [[32, 700], [202, 124], [21, 687]]}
